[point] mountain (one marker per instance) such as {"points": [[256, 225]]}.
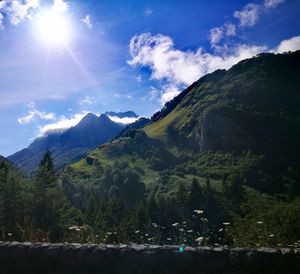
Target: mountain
{"points": [[234, 122], [68, 146], [126, 114]]}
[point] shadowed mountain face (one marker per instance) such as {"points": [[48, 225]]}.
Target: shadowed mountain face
{"points": [[68, 146], [249, 114]]}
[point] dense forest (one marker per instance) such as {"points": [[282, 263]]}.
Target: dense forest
{"points": [[46, 208], [218, 165]]}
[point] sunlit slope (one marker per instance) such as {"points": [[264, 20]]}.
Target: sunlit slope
{"points": [[254, 105], [242, 121]]}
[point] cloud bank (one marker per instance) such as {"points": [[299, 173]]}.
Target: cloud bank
{"points": [[63, 123], [124, 120]]}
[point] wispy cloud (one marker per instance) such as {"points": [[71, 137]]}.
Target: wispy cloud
{"points": [[218, 33], [86, 101], [269, 4], [249, 15], [148, 12], [33, 113], [181, 68], [87, 21]]}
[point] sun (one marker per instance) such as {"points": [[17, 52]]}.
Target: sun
{"points": [[53, 28]]}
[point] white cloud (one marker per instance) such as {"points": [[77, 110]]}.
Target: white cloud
{"points": [[181, 68], [218, 33], [152, 94], [62, 123], [86, 101], [87, 21], [124, 120], [17, 10], [230, 29], [249, 15], [269, 4], [168, 93], [291, 44], [34, 113]]}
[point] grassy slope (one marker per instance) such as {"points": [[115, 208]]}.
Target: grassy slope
{"points": [[260, 87]]}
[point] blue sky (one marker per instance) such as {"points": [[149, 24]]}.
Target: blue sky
{"points": [[121, 55]]}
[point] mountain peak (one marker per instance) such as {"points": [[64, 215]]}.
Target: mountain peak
{"points": [[126, 114], [87, 119]]}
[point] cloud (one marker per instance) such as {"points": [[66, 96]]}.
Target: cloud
{"points": [[34, 113], [86, 101], [269, 4], [148, 12], [62, 124], [249, 15], [182, 67], [168, 93], [124, 120], [178, 69], [17, 10], [120, 96], [218, 33], [291, 44], [87, 21], [1, 21]]}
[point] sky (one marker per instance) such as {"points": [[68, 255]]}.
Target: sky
{"points": [[61, 59]]}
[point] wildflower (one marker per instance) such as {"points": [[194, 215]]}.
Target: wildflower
{"points": [[9, 234], [175, 224], [259, 222], [221, 229], [155, 225], [109, 233], [73, 227], [198, 211], [199, 240], [77, 229], [169, 239], [181, 229], [226, 223], [271, 235], [137, 232], [190, 231]]}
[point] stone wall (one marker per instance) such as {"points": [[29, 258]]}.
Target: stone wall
{"points": [[44, 258]]}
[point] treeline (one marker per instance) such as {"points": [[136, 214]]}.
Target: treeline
{"points": [[119, 209]]}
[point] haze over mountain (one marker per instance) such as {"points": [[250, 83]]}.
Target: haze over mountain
{"points": [[70, 145]]}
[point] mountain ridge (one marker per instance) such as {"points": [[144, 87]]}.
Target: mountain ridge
{"points": [[70, 145]]}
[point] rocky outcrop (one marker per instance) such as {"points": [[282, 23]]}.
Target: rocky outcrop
{"points": [[44, 258]]}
